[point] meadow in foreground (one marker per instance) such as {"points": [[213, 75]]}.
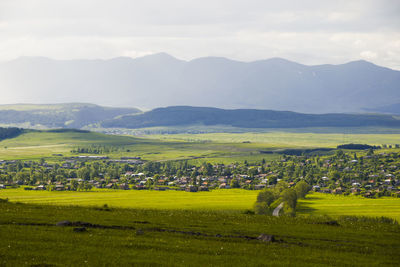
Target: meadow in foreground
{"points": [[120, 237]]}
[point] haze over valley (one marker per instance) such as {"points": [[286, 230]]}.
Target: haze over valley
{"points": [[162, 80]]}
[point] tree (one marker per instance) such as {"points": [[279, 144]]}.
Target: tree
{"points": [[302, 189], [266, 196], [290, 197], [280, 187], [235, 183], [264, 200]]}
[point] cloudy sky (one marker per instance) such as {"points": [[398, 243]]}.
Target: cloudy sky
{"points": [[309, 32]]}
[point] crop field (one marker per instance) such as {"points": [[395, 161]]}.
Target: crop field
{"points": [[315, 204], [121, 237], [34, 145], [232, 199], [287, 139], [216, 147], [338, 205]]}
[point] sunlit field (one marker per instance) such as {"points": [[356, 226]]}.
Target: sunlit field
{"points": [[338, 205]]}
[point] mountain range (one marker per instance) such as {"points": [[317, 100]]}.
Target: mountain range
{"points": [[161, 80]]}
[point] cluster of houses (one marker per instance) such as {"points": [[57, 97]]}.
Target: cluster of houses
{"points": [[370, 188], [382, 179]]}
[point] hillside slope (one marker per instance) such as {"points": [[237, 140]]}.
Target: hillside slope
{"points": [[162, 80], [247, 118], [72, 115]]}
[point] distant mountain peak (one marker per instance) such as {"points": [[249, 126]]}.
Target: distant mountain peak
{"points": [[163, 80], [162, 56]]}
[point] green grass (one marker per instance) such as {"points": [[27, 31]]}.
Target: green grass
{"points": [[217, 147], [29, 237], [229, 199], [34, 145], [338, 205], [287, 139], [232, 199]]}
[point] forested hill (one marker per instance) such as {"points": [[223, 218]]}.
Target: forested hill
{"points": [[9, 132], [70, 115], [247, 118]]}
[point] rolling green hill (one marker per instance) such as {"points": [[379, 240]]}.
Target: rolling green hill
{"points": [[247, 118], [71, 115]]}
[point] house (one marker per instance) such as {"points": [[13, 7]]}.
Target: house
{"points": [[159, 188], [326, 191], [124, 186], [140, 187], [355, 190], [60, 187], [316, 188], [337, 191], [109, 186], [191, 188], [2, 186], [40, 187], [203, 188], [222, 180]]}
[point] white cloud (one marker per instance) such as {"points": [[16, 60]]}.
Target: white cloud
{"points": [[368, 55]]}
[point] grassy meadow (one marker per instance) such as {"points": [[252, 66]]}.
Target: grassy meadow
{"points": [[213, 147], [232, 199], [287, 139], [126, 237], [34, 145], [339, 205], [315, 204]]}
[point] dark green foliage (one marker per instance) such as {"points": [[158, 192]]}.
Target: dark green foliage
{"points": [[10, 132], [302, 189], [357, 146], [289, 196], [247, 118]]}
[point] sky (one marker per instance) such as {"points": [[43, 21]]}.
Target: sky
{"points": [[308, 32]]}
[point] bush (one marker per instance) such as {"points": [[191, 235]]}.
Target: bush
{"points": [[262, 208]]}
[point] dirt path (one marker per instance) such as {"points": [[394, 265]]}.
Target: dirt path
{"points": [[277, 210]]}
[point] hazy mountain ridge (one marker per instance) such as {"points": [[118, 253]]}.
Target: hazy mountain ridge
{"points": [[162, 80], [390, 109], [246, 118], [72, 115]]}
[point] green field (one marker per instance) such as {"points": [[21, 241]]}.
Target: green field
{"points": [[34, 145], [338, 205], [287, 139], [126, 237], [216, 147], [232, 199]]}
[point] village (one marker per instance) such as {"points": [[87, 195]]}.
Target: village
{"points": [[370, 175]]}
